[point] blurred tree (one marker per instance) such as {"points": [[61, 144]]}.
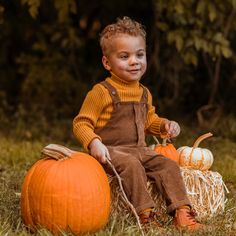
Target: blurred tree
{"points": [[50, 56], [200, 33], [62, 54]]}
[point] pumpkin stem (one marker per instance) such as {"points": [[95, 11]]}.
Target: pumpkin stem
{"points": [[199, 139], [56, 152], [156, 140], [164, 142]]}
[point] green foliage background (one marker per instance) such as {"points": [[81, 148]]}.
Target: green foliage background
{"points": [[50, 56]]}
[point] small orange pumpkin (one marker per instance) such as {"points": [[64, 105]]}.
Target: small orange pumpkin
{"points": [[71, 193], [166, 149], [195, 157]]}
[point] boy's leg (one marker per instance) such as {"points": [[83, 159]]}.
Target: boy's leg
{"points": [[168, 178], [127, 163]]}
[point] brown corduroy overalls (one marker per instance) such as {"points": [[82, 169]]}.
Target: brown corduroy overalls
{"points": [[124, 137]]}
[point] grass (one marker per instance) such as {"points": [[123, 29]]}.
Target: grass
{"points": [[16, 157]]}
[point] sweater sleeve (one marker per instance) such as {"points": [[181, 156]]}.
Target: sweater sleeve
{"points": [[85, 122], [153, 122]]}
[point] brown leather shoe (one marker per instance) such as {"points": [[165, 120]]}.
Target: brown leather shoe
{"points": [[149, 218], [185, 219]]}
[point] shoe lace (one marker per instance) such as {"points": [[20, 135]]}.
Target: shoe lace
{"points": [[191, 214], [152, 217]]}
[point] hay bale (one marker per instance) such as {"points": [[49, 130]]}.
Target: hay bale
{"points": [[205, 189]]}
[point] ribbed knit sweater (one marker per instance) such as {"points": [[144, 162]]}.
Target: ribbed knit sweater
{"points": [[97, 108]]}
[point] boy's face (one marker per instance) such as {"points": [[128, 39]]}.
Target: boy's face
{"points": [[126, 57]]}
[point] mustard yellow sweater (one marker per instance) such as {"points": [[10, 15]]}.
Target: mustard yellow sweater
{"points": [[97, 109]]}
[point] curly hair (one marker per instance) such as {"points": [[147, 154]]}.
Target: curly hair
{"points": [[123, 25]]}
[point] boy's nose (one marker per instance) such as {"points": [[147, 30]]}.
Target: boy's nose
{"points": [[133, 60]]}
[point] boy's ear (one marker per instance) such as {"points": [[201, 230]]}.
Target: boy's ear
{"points": [[106, 63]]}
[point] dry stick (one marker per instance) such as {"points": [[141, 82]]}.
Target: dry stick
{"points": [[164, 142], [156, 140], [125, 197]]}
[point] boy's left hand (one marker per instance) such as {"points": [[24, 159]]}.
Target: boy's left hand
{"points": [[171, 128]]}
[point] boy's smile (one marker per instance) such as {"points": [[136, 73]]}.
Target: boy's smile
{"points": [[126, 57]]}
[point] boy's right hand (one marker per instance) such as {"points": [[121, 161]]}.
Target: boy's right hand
{"points": [[99, 151]]}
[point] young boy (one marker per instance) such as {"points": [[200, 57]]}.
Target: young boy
{"points": [[116, 115]]}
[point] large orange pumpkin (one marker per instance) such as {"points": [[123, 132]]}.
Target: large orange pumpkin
{"points": [[166, 149], [70, 193]]}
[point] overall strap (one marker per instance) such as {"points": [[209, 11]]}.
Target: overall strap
{"points": [[144, 98], [113, 92]]}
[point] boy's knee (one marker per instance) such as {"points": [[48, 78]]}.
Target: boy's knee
{"points": [[132, 166], [170, 164]]}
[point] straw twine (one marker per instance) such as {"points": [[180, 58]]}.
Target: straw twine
{"points": [[205, 189]]}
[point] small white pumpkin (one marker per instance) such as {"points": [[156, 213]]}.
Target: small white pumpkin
{"points": [[195, 157]]}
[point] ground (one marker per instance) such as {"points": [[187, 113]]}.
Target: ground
{"points": [[16, 157]]}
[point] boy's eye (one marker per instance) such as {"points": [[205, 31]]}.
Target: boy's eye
{"points": [[123, 56], [141, 54]]}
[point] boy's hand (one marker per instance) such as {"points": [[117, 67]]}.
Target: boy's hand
{"points": [[99, 151], [171, 128]]}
